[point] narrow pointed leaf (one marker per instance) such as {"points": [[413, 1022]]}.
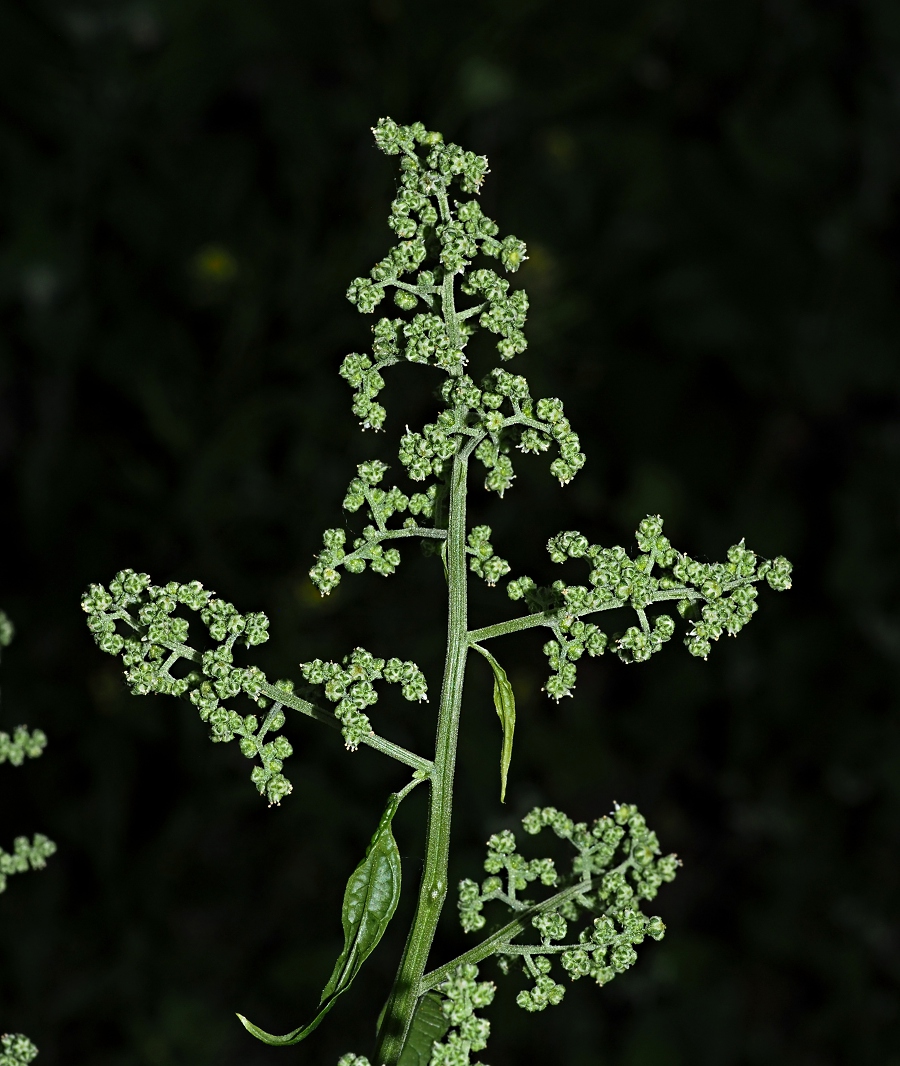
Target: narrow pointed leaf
{"points": [[370, 900], [428, 1025], [289, 1038], [505, 702]]}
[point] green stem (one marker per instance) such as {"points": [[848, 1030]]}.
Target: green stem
{"points": [[514, 625], [549, 618], [363, 552], [499, 941], [433, 890]]}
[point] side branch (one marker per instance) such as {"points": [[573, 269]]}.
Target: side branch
{"points": [[552, 618], [396, 534], [514, 625], [426, 294], [288, 699], [500, 941]]}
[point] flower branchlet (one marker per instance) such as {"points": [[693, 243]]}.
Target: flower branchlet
{"points": [[154, 646], [21, 745], [380, 506], [351, 687], [26, 855], [714, 598], [617, 865], [154, 649]]}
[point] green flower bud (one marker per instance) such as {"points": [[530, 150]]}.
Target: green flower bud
{"points": [[503, 843], [576, 962], [277, 787], [778, 575], [354, 729], [667, 867], [656, 928], [95, 600], [512, 253], [622, 957]]}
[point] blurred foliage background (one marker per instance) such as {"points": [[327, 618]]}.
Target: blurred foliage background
{"points": [[709, 193]]}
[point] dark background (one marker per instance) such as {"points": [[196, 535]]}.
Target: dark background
{"points": [[709, 194]]}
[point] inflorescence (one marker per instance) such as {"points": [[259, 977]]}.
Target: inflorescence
{"points": [[617, 865], [714, 598], [154, 645]]}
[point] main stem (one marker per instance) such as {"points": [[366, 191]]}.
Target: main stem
{"points": [[433, 890]]}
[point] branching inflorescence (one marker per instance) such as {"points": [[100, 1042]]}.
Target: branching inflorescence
{"points": [[16, 1049], [445, 296]]}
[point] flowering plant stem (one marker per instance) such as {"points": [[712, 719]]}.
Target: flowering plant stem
{"points": [[429, 1018], [433, 889]]}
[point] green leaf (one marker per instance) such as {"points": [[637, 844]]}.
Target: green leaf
{"points": [[428, 1025], [505, 702], [370, 900]]}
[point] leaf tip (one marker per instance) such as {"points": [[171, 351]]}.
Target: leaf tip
{"points": [[268, 1038]]}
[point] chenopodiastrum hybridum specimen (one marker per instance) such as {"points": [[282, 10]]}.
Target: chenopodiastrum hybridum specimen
{"points": [[589, 917]]}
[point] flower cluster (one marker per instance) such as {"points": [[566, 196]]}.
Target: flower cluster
{"points": [[427, 452], [463, 995], [22, 745], [421, 214], [716, 597], [608, 896], [508, 418], [155, 643], [720, 613], [25, 856], [574, 638], [483, 561], [502, 858], [351, 687], [7, 630], [366, 381], [491, 419], [368, 550], [503, 315], [16, 1050]]}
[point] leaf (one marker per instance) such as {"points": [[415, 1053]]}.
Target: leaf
{"points": [[428, 1025], [505, 702], [370, 900]]}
